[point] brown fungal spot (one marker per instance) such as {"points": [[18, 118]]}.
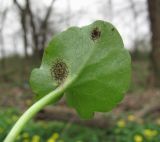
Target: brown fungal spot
{"points": [[95, 34], [59, 71]]}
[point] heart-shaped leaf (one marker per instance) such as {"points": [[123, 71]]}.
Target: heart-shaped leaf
{"points": [[94, 62]]}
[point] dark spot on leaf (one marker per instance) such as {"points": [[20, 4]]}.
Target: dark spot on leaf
{"points": [[95, 34], [112, 29], [59, 71]]}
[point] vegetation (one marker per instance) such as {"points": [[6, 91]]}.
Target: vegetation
{"points": [[124, 129]]}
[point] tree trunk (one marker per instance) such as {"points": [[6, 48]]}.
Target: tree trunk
{"points": [[154, 15], [24, 29]]}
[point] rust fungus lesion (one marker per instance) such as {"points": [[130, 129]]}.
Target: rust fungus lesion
{"points": [[95, 34], [59, 71]]}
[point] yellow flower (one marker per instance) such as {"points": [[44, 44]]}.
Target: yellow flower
{"points": [[150, 133], [121, 123], [154, 132], [147, 133], [55, 136], [138, 138], [51, 140], [131, 118], [35, 138]]}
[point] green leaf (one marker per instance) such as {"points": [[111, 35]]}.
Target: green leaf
{"points": [[94, 62]]}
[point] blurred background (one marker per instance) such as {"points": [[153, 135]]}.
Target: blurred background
{"points": [[26, 26]]}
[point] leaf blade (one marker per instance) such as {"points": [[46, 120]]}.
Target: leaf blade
{"points": [[97, 63]]}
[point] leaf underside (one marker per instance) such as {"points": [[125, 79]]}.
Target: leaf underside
{"points": [[95, 59]]}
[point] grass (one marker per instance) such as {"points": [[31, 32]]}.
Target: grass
{"points": [[127, 128], [44, 131]]}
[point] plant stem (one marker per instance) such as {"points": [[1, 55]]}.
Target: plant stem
{"points": [[52, 97]]}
